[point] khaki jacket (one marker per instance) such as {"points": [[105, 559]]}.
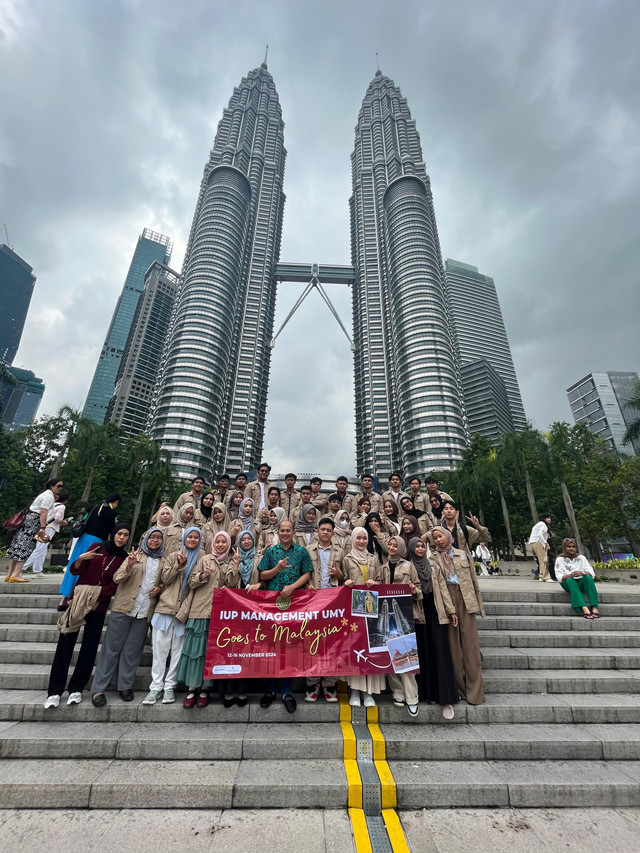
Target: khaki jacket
{"points": [[335, 559], [352, 572], [186, 498], [420, 501], [173, 538], [237, 529], [85, 599], [320, 502], [220, 499], [209, 535], [252, 491], [388, 496], [301, 539], [374, 497], [129, 583], [441, 598], [197, 605], [343, 544], [405, 574], [170, 579], [466, 572], [289, 502], [475, 536], [349, 503]]}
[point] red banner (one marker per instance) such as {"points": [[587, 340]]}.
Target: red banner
{"points": [[339, 631]]}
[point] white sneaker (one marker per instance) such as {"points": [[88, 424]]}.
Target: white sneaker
{"points": [[354, 699], [152, 697], [52, 701], [369, 701], [169, 696], [413, 710], [74, 699], [448, 712], [550, 580]]}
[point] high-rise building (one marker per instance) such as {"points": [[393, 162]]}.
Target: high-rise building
{"points": [[479, 328], [20, 395], [16, 286], [131, 402], [598, 401], [209, 412], [407, 385], [486, 400], [151, 247]]}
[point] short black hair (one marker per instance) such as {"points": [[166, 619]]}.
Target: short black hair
{"points": [[199, 477], [274, 489], [50, 483], [315, 480], [411, 479], [364, 476], [450, 502], [305, 488], [342, 479], [62, 497], [112, 497], [290, 474], [264, 465], [241, 474], [544, 515], [430, 480], [224, 477], [334, 497], [326, 520], [395, 474]]}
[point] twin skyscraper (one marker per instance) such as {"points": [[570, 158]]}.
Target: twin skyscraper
{"points": [[210, 400]]}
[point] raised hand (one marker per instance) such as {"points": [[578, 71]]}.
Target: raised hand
{"points": [[181, 557], [471, 518]]}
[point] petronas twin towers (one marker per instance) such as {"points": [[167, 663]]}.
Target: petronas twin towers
{"points": [[210, 404]]}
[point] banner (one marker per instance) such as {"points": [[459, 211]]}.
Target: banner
{"points": [[341, 631]]}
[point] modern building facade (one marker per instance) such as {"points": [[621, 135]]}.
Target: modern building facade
{"points": [[16, 287], [486, 400], [479, 329], [409, 415], [598, 401], [20, 396], [151, 247], [138, 372], [209, 412]]}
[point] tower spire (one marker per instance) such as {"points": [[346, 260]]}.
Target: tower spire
{"points": [[266, 53]]}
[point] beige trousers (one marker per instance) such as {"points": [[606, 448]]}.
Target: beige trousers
{"points": [[404, 687], [541, 556], [465, 650]]}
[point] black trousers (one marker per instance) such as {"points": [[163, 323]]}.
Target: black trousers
{"points": [[86, 657]]}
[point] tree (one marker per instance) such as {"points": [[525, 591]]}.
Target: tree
{"points": [[633, 405], [519, 452], [496, 474], [72, 417], [151, 465]]}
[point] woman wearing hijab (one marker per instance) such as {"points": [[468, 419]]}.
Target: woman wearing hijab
{"points": [[246, 520], [203, 512], [342, 531], [88, 607], [409, 508], [218, 522], [362, 511], [577, 577], [377, 538], [217, 569], [362, 568], [123, 642], [269, 535], [167, 623], [436, 679], [175, 531], [306, 526], [389, 518], [462, 585], [397, 570], [435, 509], [234, 506], [409, 529]]}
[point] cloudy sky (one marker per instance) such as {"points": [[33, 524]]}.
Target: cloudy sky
{"points": [[529, 119]]}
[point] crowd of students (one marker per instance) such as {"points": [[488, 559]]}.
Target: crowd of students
{"points": [[256, 536]]}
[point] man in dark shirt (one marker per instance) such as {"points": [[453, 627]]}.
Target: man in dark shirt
{"points": [[285, 568]]}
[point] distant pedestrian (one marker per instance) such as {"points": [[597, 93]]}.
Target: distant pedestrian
{"points": [[55, 521], [539, 541], [24, 539]]}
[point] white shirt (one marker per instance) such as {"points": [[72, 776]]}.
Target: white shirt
{"points": [[262, 500], [45, 500], [324, 554], [564, 566], [539, 533], [140, 607]]}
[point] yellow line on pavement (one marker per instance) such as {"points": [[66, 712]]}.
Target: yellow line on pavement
{"points": [[388, 785], [360, 831], [349, 737], [395, 831], [354, 782], [379, 748]]}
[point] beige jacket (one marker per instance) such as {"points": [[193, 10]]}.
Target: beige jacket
{"points": [[441, 598], [85, 599], [420, 501], [466, 572], [173, 538], [405, 574], [208, 533], [301, 539], [349, 504], [374, 497], [129, 583], [197, 605], [351, 569], [335, 559], [170, 579], [186, 498], [320, 502], [252, 490], [388, 496], [289, 502], [475, 536]]}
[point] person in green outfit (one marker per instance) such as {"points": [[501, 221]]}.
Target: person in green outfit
{"points": [[578, 578]]}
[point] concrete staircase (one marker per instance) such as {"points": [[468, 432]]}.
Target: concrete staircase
{"points": [[561, 725]]}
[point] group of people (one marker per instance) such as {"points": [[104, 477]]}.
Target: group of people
{"points": [[256, 536]]}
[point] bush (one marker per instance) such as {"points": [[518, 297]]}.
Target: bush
{"points": [[630, 564]]}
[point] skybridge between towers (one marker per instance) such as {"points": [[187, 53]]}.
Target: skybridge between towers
{"points": [[315, 275]]}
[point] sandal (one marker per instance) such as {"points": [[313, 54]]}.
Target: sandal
{"points": [[595, 613], [587, 615]]}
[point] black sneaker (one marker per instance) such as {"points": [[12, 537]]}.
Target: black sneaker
{"points": [[99, 701], [127, 695], [290, 703], [266, 700]]}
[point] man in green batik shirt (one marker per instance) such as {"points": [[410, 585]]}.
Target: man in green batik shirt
{"points": [[285, 568]]}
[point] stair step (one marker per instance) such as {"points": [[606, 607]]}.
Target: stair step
{"points": [[559, 658], [553, 623], [115, 784], [560, 681], [537, 608], [563, 639]]}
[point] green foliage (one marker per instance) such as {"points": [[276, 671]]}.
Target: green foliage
{"points": [[628, 565]]}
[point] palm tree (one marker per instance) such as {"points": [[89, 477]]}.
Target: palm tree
{"points": [[153, 466], [73, 417], [496, 472], [633, 405], [564, 455], [518, 453]]}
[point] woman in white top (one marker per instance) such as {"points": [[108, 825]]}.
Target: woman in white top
{"points": [[35, 524], [55, 521], [578, 578]]}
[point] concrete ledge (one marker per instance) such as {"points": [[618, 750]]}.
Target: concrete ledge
{"points": [[41, 784], [291, 784]]}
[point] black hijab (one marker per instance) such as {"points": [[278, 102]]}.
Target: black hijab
{"points": [[411, 510], [373, 546], [423, 566], [111, 547]]}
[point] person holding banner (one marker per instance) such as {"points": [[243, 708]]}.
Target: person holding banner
{"points": [[362, 568], [326, 557], [167, 623], [398, 570], [464, 591], [436, 679], [284, 568]]}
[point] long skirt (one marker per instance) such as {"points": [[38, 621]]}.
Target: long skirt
{"points": [[23, 542], [81, 546], [436, 679], [194, 652]]}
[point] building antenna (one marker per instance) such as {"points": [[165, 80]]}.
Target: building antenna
{"points": [[6, 231], [377, 62], [266, 53]]}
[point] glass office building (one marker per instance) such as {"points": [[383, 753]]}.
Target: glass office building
{"points": [[151, 247], [20, 396], [479, 329], [16, 286], [486, 400], [598, 401]]}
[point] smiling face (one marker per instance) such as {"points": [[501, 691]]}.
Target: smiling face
{"points": [[310, 517], [406, 504], [421, 548], [407, 524], [197, 485], [392, 546], [247, 509], [389, 508], [220, 544], [365, 506], [187, 515], [361, 540], [238, 498], [193, 540], [165, 515], [154, 540], [571, 549], [218, 514], [208, 500], [285, 532], [439, 539], [246, 542]]}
